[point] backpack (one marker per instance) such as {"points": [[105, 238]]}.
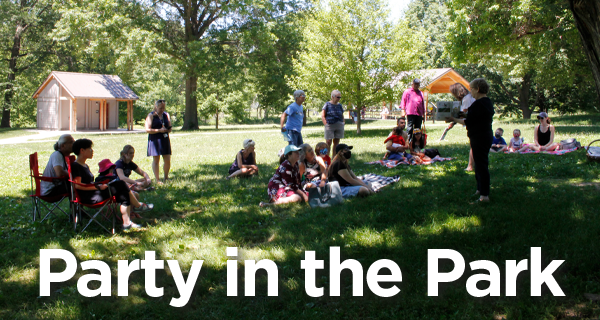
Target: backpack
{"points": [[570, 143]]}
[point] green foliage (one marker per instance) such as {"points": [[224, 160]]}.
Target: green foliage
{"points": [[351, 47], [532, 43]]}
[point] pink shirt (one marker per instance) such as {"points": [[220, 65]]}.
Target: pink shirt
{"points": [[413, 102]]}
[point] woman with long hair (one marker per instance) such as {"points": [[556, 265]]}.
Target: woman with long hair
{"points": [[312, 168], [463, 95], [340, 171], [125, 166], [543, 135]]}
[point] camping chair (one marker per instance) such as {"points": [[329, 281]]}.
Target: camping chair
{"points": [[49, 203], [96, 212]]}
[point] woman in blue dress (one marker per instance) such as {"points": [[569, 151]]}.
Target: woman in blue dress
{"points": [[158, 126]]}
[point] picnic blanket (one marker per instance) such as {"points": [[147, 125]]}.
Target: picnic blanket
{"points": [[394, 163], [378, 181], [558, 152]]}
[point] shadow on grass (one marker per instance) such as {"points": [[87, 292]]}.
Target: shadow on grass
{"points": [[427, 209]]}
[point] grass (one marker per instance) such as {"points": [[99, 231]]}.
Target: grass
{"points": [[537, 200]]}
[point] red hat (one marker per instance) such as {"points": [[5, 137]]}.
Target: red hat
{"points": [[105, 165]]}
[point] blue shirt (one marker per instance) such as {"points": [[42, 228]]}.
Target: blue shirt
{"points": [[295, 116], [498, 141], [334, 113]]}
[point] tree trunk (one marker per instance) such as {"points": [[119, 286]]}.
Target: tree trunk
{"points": [[304, 117], [217, 118], [190, 118], [12, 71], [524, 93], [356, 107], [587, 19]]}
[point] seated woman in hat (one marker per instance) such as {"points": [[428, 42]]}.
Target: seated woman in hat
{"points": [[340, 171], [245, 161], [284, 186], [81, 173], [543, 135]]}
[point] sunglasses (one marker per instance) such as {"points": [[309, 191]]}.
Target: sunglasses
{"points": [[339, 97], [161, 101]]}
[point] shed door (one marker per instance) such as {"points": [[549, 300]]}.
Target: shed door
{"points": [[65, 115], [95, 110]]}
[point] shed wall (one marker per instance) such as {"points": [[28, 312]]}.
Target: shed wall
{"points": [[47, 107]]}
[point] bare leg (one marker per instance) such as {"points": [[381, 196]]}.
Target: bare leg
{"points": [[134, 201], [328, 141], [470, 165], [155, 163], [242, 172], [335, 143], [290, 199], [504, 148], [166, 165], [125, 211]]}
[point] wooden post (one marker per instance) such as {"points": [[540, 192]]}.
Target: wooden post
{"points": [[101, 115], [74, 115]]}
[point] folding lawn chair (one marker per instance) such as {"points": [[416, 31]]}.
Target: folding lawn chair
{"points": [[102, 211], [50, 204]]}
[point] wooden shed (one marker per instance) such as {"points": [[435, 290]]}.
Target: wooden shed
{"points": [[81, 101], [432, 80]]}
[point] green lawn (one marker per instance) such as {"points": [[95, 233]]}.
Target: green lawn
{"points": [[542, 201]]}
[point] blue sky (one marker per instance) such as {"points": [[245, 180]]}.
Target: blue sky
{"points": [[397, 7]]}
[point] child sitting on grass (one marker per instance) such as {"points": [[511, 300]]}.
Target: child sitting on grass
{"points": [[396, 145], [498, 143], [516, 142], [322, 152]]}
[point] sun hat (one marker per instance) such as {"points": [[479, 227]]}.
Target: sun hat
{"points": [[105, 165], [290, 148], [248, 143]]}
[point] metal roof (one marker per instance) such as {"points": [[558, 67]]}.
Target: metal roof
{"points": [[92, 86]]}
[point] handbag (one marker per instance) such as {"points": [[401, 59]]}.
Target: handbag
{"points": [[570, 144], [327, 196]]}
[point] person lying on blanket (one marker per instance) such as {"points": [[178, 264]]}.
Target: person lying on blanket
{"points": [[340, 171], [417, 147], [396, 145]]}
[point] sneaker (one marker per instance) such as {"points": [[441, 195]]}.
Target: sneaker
{"points": [[131, 226]]}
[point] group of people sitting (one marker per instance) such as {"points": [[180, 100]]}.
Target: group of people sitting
{"points": [[543, 138], [301, 168], [112, 180], [399, 147]]}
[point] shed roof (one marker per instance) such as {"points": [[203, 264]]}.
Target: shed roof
{"points": [[432, 80], [86, 85]]}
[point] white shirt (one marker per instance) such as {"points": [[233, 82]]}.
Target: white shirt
{"points": [[467, 101]]}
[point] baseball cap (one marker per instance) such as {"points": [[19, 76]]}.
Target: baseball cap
{"points": [[342, 146], [542, 115], [417, 80], [290, 148]]}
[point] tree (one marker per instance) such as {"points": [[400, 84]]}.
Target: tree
{"points": [[430, 18], [586, 14], [351, 47], [22, 43], [526, 41]]}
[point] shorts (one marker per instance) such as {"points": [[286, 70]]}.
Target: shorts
{"points": [[295, 137], [282, 193], [334, 131], [497, 148], [350, 191]]}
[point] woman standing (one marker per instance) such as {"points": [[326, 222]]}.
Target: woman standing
{"points": [[479, 129], [158, 126]]}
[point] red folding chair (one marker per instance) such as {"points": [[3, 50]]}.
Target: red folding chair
{"points": [[49, 203], [105, 210]]}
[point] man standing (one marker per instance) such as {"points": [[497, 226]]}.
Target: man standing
{"points": [[57, 167], [414, 106], [333, 120], [293, 126]]}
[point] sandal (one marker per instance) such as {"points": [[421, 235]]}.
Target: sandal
{"points": [[144, 207]]}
